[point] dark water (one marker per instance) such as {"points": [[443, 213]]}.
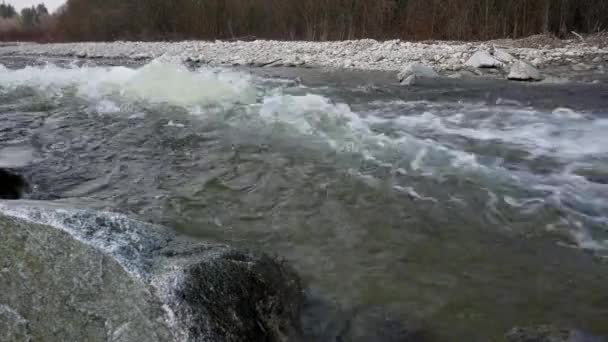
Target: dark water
{"points": [[470, 206]]}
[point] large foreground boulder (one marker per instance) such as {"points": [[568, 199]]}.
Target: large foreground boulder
{"points": [[80, 275], [522, 71], [549, 333]]}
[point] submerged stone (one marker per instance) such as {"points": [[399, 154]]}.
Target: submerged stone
{"points": [[100, 276], [548, 333], [325, 321]]}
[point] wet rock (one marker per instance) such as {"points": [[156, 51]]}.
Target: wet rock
{"points": [[321, 319], [549, 333], [409, 81], [482, 59], [522, 71], [415, 70], [13, 327], [12, 185], [108, 277]]}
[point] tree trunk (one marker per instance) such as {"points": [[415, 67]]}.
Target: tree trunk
{"points": [[546, 15]]}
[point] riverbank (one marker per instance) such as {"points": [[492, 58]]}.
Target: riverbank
{"points": [[557, 59]]}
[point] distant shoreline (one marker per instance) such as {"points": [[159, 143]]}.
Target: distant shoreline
{"points": [[585, 59]]}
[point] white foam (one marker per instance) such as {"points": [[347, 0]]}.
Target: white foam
{"points": [[156, 82], [128, 241], [562, 133]]}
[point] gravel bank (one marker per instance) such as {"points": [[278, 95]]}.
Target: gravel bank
{"points": [[367, 54]]}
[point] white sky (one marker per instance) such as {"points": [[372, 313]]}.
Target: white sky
{"points": [[52, 5]]}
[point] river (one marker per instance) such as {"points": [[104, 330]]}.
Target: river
{"points": [[471, 206]]}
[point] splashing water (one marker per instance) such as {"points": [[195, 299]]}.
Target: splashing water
{"points": [[500, 146], [158, 82]]}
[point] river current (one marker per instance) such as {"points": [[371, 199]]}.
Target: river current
{"points": [[470, 213]]}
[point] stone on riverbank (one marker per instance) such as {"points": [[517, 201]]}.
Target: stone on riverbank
{"points": [[503, 56], [107, 277], [522, 71], [365, 54], [482, 59], [415, 70]]}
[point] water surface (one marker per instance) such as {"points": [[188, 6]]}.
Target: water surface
{"points": [[470, 207]]}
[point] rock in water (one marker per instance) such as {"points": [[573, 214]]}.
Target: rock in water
{"points": [[482, 59], [12, 185], [409, 81], [99, 276], [325, 321], [376, 325], [522, 71], [415, 70], [549, 333]]}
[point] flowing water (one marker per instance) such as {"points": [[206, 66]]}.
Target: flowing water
{"points": [[469, 213]]}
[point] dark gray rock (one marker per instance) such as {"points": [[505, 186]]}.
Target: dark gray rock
{"points": [[548, 333], [80, 275], [12, 185]]}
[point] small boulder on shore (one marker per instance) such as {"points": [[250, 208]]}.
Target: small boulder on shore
{"points": [[482, 59], [415, 70], [522, 71]]}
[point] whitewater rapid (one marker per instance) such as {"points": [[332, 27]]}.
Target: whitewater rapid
{"points": [[527, 160]]}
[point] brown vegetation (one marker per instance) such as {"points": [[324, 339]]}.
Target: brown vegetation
{"points": [[32, 24], [327, 19]]}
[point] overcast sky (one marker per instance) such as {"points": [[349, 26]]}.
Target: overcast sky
{"points": [[52, 5]]}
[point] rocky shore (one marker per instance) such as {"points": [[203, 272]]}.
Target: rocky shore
{"points": [[588, 57]]}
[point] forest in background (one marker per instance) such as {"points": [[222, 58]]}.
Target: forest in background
{"points": [[318, 20], [31, 23]]}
